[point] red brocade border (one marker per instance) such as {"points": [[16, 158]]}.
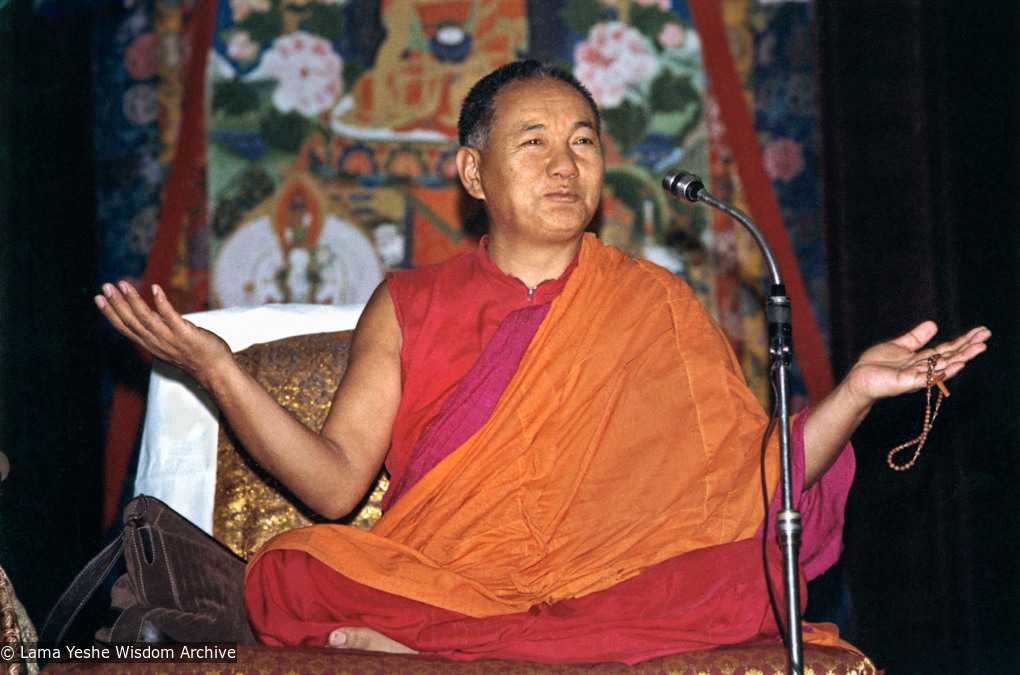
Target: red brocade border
{"points": [[758, 193]]}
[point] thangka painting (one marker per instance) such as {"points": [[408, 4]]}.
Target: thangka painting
{"points": [[330, 140], [332, 134]]}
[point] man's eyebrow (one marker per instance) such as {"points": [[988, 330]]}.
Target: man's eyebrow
{"points": [[531, 127], [537, 126]]}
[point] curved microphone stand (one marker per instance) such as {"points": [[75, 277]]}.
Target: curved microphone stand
{"points": [[685, 186]]}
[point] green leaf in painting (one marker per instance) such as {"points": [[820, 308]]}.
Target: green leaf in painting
{"points": [[285, 131], [234, 97], [581, 15], [650, 20], [671, 92], [326, 21], [263, 27], [627, 124], [354, 67]]}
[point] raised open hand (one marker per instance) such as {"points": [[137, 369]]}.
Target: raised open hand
{"points": [[888, 369], [163, 333], [900, 366]]}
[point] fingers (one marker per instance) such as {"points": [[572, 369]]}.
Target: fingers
{"points": [[164, 332], [952, 369], [130, 308], [103, 303], [132, 317], [976, 337], [166, 311], [963, 348], [115, 308], [902, 365], [954, 355], [151, 322], [918, 336]]}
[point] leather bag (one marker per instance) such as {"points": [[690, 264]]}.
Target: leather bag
{"points": [[181, 584]]}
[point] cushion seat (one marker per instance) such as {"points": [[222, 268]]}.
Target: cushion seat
{"points": [[767, 659]]}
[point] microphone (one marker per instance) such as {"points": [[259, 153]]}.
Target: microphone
{"points": [[685, 186], [682, 185]]}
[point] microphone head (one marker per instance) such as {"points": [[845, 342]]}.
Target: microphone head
{"points": [[682, 185]]}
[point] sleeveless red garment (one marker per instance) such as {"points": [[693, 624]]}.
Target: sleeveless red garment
{"points": [[448, 312]]}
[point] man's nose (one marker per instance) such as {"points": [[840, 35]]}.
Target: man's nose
{"points": [[562, 163]]}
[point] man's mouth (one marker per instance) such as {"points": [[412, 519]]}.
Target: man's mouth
{"points": [[562, 195]]}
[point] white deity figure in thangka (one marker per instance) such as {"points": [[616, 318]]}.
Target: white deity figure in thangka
{"points": [[295, 249]]}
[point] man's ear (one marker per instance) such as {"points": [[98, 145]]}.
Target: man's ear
{"points": [[470, 171]]}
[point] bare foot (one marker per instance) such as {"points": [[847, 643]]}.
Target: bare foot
{"points": [[351, 637]]}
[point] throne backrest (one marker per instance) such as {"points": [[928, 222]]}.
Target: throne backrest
{"points": [[250, 507], [178, 457]]}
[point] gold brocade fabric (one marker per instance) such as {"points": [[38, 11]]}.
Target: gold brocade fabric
{"points": [[16, 631], [251, 507]]}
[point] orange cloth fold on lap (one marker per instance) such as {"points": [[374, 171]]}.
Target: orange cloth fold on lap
{"points": [[625, 438]]}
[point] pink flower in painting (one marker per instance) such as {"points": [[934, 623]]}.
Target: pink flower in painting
{"points": [[142, 56], [241, 47], [307, 71], [613, 56], [242, 8], [664, 5], [784, 159], [672, 35]]}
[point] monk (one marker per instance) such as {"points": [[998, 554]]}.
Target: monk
{"points": [[574, 455]]}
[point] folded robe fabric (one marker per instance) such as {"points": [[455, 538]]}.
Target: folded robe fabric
{"points": [[704, 598], [626, 437], [472, 402], [700, 599]]}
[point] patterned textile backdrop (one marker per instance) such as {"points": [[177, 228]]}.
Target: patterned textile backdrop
{"points": [[772, 44], [140, 50], [129, 155]]}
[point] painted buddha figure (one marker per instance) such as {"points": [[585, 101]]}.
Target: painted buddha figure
{"points": [[433, 52]]}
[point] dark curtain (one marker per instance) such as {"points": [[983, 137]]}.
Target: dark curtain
{"points": [[50, 351], [919, 107]]}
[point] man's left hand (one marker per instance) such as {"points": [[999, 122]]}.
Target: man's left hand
{"points": [[900, 366]]}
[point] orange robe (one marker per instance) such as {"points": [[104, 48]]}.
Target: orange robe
{"points": [[626, 438]]}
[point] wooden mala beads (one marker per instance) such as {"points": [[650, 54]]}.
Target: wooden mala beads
{"points": [[929, 416]]}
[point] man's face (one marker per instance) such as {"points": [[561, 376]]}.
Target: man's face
{"points": [[541, 171]]}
